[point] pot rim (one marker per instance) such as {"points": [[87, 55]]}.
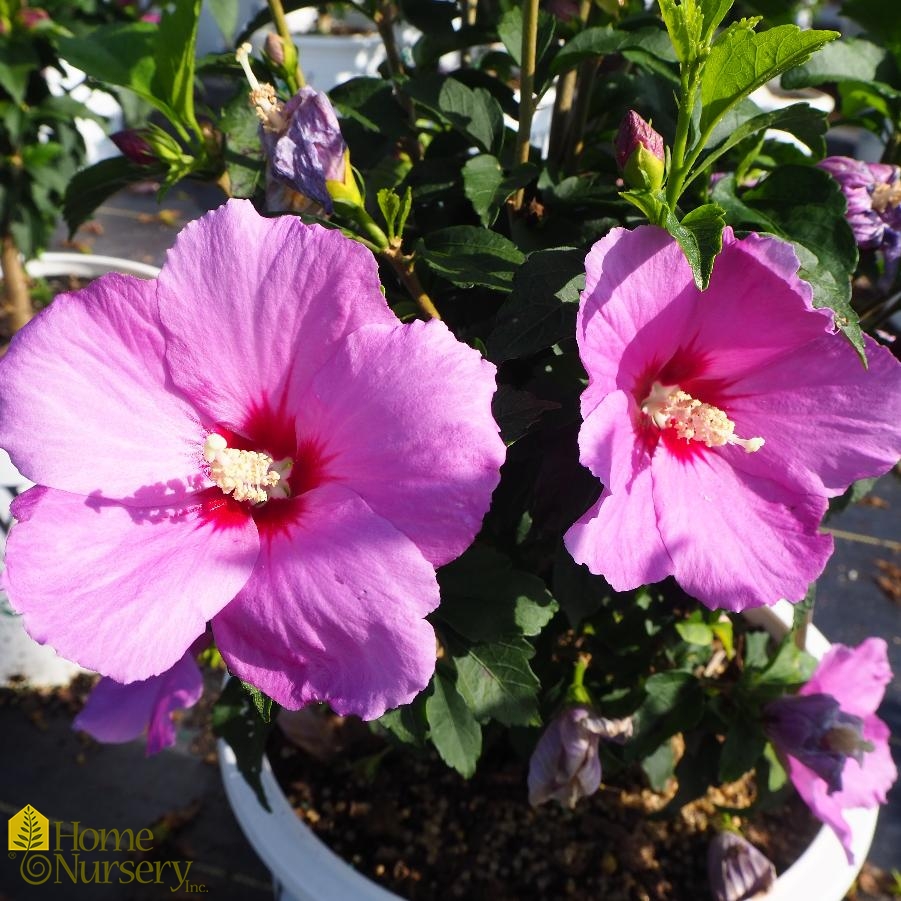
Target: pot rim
{"points": [[306, 869], [89, 265]]}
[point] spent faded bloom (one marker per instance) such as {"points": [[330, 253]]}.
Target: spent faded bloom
{"points": [[736, 870], [852, 735], [873, 194], [639, 152], [253, 440], [565, 766], [116, 713], [720, 422]]}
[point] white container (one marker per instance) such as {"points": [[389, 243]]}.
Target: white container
{"points": [[20, 655], [304, 869]]}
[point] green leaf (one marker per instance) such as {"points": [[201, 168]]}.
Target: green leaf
{"points": [[236, 721], [685, 24], [695, 632], [488, 188], [395, 210], [756, 644], [242, 152], [497, 682], [372, 103], [790, 667], [261, 701], [742, 60], [18, 62], [674, 703], [91, 186], [174, 46], [225, 13], [466, 256], [804, 205], [483, 598], [474, 113], [743, 747], [578, 591], [850, 59], [659, 766], [516, 412], [453, 729], [700, 235], [407, 724], [542, 307], [509, 30], [600, 41]]}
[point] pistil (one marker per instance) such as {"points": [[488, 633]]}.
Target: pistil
{"points": [[265, 103], [669, 407], [245, 475]]}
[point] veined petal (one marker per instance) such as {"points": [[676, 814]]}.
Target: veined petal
{"points": [[248, 303], [736, 540], [86, 405], [125, 591], [856, 677], [403, 415], [334, 611]]}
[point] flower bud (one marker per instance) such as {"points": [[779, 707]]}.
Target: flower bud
{"points": [[274, 48], [639, 153], [565, 766], [32, 17], [737, 871], [815, 730], [133, 145]]}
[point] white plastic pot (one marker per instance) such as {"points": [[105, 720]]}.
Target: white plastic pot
{"points": [[20, 655], [304, 869]]}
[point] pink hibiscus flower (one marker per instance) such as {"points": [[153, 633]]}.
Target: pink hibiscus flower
{"points": [[251, 440], [853, 680], [720, 422]]}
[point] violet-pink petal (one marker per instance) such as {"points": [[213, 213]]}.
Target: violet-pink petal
{"points": [[247, 303], [403, 416], [125, 591], [636, 303], [334, 611], [736, 540], [119, 713], [85, 401], [821, 412], [855, 677]]}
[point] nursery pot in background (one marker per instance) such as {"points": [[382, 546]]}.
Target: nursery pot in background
{"points": [[304, 869], [21, 656]]}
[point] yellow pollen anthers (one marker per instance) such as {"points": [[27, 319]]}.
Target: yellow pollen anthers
{"points": [[886, 195], [245, 475], [265, 103], [669, 407]]}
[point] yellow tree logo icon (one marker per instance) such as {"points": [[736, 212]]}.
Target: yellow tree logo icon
{"points": [[29, 831]]}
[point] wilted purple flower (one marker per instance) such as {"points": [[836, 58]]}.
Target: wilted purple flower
{"points": [[639, 152], [855, 678], [873, 193], [736, 870], [134, 147], [565, 765]]}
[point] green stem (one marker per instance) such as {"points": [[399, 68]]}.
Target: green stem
{"points": [[293, 72], [577, 693], [405, 267], [526, 88], [689, 80], [385, 16]]}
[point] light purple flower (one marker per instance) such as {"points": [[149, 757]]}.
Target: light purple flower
{"points": [[565, 766], [856, 679], [873, 193], [253, 440], [736, 870], [116, 713], [720, 422]]}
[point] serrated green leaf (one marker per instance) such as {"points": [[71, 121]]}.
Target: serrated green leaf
{"points": [[790, 667], [453, 729], [849, 59], [600, 41], [542, 306], [474, 113], [483, 598], [742, 60], [685, 24], [408, 723], [466, 256], [497, 682], [674, 703], [242, 151], [488, 188], [700, 235], [262, 702], [516, 412]]}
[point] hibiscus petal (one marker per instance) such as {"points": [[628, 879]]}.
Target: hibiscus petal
{"points": [[638, 297], [334, 611], [85, 403], [248, 302], [736, 540], [855, 677], [124, 591], [404, 419], [119, 713], [822, 413]]}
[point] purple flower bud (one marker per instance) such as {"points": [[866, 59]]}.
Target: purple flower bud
{"points": [[815, 730], [32, 17], [737, 871], [134, 147], [274, 48], [565, 765], [873, 194]]}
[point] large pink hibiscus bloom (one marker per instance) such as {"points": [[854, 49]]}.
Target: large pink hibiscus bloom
{"points": [[720, 422], [252, 439]]}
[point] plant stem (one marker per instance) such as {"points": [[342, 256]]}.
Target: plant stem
{"points": [[384, 19], [576, 142], [689, 78], [526, 88], [293, 72], [15, 286], [404, 266]]}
